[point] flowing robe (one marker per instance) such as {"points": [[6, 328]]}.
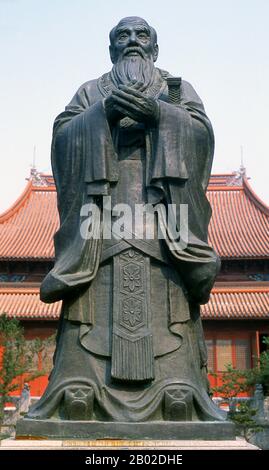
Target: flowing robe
{"points": [[130, 324]]}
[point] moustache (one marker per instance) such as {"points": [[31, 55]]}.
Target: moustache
{"points": [[134, 49]]}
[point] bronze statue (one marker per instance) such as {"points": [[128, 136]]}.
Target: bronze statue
{"points": [[130, 344]]}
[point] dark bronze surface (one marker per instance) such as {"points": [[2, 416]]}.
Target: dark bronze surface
{"points": [[130, 344]]}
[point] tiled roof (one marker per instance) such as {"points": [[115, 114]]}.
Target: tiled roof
{"points": [[239, 227], [236, 303], [226, 303], [27, 228], [24, 303]]}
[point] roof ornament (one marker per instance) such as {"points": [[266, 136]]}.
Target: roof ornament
{"points": [[37, 178], [237, 177]]}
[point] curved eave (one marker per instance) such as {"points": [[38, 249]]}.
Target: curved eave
{"points": [[18, 204], [27, 229], [239, 226], [254, 197]]}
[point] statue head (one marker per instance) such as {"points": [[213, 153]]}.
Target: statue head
{"points": [[133, 37], [133, 51]]}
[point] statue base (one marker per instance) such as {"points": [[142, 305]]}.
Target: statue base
{"points": [[61, 429]]}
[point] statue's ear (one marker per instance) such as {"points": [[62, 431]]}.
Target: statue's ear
{"points": [[156, 52], [111, 52]]}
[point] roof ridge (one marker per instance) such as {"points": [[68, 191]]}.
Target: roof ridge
{"points": [[19, 290], [240, 289]]}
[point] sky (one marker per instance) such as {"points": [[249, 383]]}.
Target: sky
{"points": [[49, 48]]}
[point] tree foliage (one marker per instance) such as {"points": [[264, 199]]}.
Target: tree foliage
{"points": [[235, 381], [260, 373]]}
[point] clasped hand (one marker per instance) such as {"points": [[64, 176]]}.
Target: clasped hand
{"points": [[129, 101]]}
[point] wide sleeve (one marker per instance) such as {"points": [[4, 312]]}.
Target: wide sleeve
{"points": [[81, 147], [183, 148]]}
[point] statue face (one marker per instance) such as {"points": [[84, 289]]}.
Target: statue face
{"points": [[133, 39]]}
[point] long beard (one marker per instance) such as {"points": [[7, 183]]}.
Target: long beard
{"points": [[133, 69]]}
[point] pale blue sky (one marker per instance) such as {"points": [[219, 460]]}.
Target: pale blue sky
{"points": [[48, 48]]}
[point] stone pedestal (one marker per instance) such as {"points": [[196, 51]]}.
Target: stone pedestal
{"points": [[118, 445], [60, 429]]}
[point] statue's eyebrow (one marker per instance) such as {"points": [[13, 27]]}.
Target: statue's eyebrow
{"points": [[125, 29], [144, 29], [122, 30]]}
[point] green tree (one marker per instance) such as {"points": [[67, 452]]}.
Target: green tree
{"points": [[18, 359], [233, 382], [242, 413], [260, 373]]}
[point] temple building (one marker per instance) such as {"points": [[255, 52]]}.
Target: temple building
{"points": [[237, 315]]}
